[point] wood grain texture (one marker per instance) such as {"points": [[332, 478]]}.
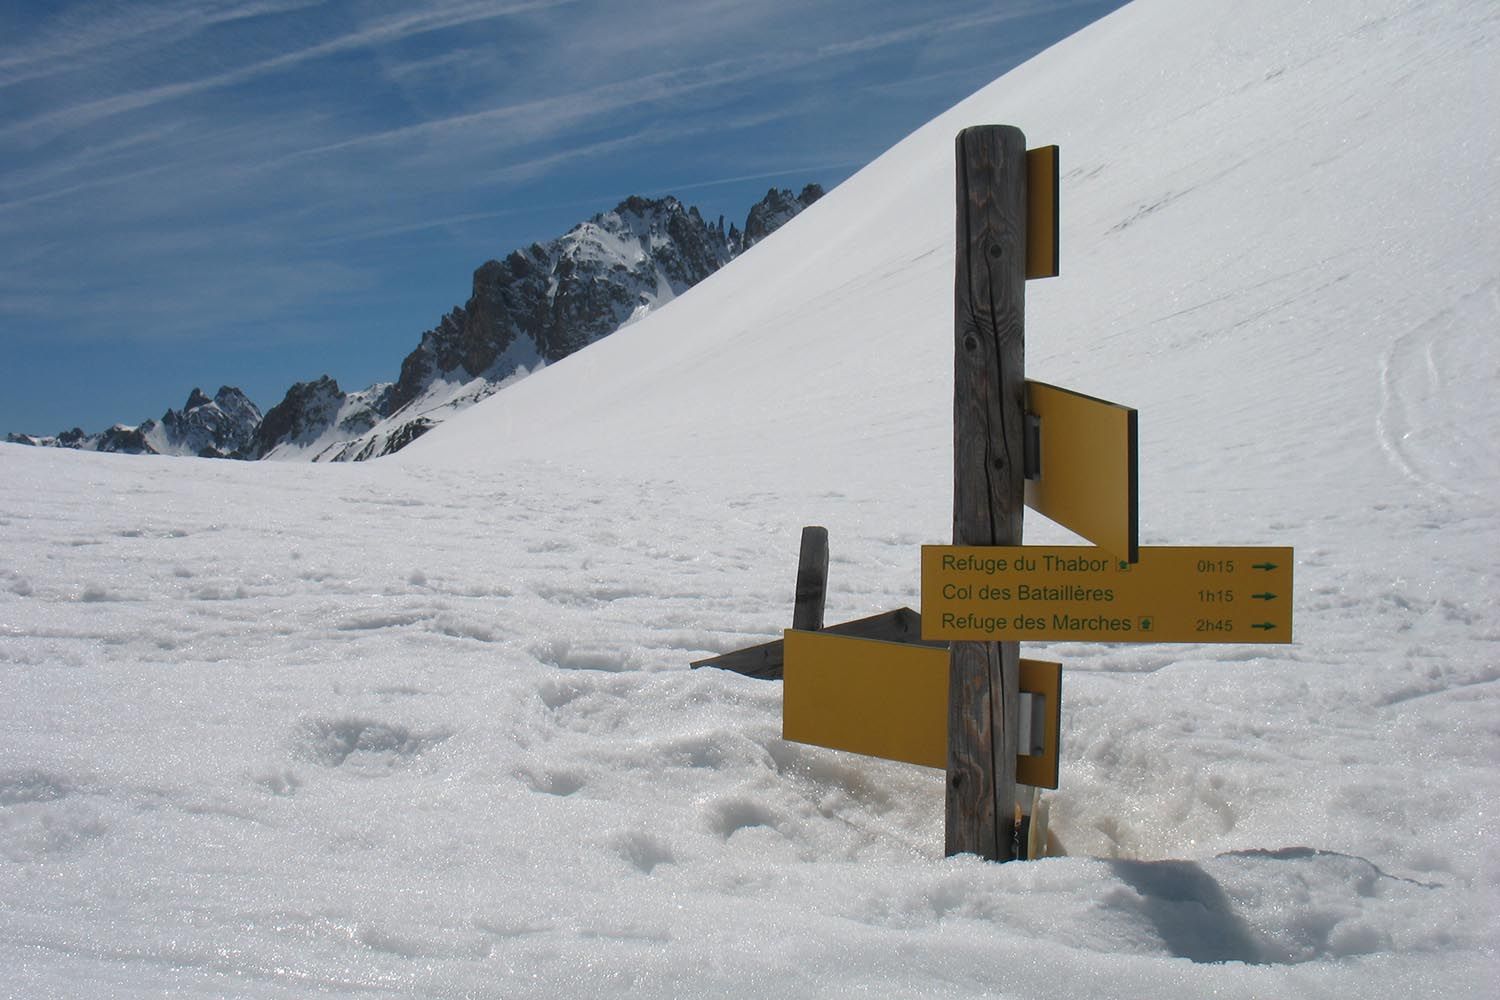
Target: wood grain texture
{"points": [[812, 580], [989, 393]]}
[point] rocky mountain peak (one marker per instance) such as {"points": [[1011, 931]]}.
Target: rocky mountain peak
{"points": [[534, 306], [544, 302], [775, 210], [306, 411], [220, 427]]}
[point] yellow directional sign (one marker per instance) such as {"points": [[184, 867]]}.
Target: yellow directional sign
{"points": [[890, 700], [1173, 594], [884, 699], [1088, 479], [1041, 212]]}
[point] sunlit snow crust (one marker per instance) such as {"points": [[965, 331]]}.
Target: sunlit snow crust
{"points": [[425, 726]]}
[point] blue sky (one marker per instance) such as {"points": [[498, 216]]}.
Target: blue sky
{"points": [[257, 192]]}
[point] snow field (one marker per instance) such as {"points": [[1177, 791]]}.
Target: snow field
{"points": [[425, 726], [312, 736]]}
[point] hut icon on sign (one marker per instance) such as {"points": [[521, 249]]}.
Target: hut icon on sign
{"points": [[1145, 624]]}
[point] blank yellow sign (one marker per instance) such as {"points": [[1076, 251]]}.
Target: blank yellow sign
{"points": [[890, 700], [1089, 467], [1041, 212], [883, 699]]}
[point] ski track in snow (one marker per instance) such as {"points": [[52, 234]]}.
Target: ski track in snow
{"points": [[1425, 379]]}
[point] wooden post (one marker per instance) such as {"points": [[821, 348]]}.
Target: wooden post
{"points": [[989, 412], [812, 579]]}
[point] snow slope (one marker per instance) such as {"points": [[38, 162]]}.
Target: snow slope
{"points": [[424, 726]]}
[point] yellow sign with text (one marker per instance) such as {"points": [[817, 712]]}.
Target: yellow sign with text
{"points": [[1173, 594]]}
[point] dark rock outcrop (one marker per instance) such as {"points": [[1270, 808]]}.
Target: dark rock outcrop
{"points": [[536, 306], [302, 416], [125, 441], [221, 427], [775, 210], [541, 304]]}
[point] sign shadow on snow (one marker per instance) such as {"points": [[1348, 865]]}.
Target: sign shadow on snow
{"points": [[1190, 912]]}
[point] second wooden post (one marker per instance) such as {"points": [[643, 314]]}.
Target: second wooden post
{"points": [[989, 412]]}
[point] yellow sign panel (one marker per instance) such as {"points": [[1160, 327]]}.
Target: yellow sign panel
{"points": [[884, 699], [1042, 679], [890, 700], [1041, 212], [1173, 594], [1088, 477]]}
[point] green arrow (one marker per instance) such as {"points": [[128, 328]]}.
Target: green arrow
{"points": [[1266, 626], [1264, 566], [1264, 597]]}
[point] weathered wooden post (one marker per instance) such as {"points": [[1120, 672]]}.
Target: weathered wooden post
{"points": [[812, 579], [988, 476]]}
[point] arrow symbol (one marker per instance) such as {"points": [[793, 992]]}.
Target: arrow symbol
{"points": [[1264, 626], [1264, 566], [1264, 597]]}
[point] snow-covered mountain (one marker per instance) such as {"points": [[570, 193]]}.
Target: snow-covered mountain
{"points": [[221, 427], [537, 306], [425, 727]]}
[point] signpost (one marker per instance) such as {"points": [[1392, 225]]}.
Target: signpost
{"points": [[1173, 594], [975, 708]]}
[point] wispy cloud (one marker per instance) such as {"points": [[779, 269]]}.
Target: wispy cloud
{"points": [[543, 118], [209, 171], [380, 32], [95, 34], [657, 136]]}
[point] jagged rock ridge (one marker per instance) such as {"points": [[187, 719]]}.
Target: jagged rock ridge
{"points": [[535, 307], [775, 210], [221, 427]]}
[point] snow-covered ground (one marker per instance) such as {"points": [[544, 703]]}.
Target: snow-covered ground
{"points": [[425, 726]]}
